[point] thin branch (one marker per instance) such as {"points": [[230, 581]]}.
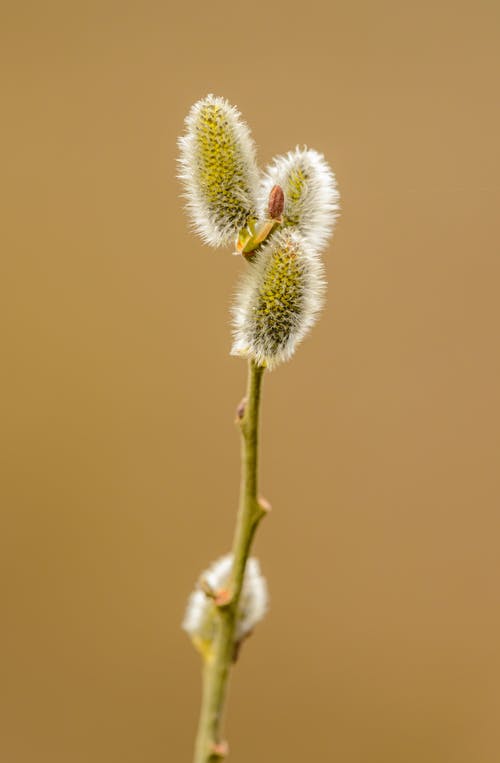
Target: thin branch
{"points": [[209, 745]]}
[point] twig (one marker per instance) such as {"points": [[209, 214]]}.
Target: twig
{"points": [[209, 746]]}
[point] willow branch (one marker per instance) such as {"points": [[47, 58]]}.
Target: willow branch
{"points": [[209, 746]]}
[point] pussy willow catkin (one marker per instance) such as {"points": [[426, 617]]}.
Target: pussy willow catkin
{"points": [[278, 300], [218, 170]]}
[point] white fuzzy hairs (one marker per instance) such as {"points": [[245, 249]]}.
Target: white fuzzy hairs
{"points": [[199, 622]]}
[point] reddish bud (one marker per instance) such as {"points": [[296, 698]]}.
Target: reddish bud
{"points": [[240, 410], [264, 504], [276, 202], [219, 750], [222, 598]]}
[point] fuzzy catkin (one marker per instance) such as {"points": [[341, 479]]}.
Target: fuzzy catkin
{"points": [[311, 195], [199, 621], [278, 300], [218, 169]]}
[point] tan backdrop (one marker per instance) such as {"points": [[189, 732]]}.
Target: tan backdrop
{"points": [[380, 440]]}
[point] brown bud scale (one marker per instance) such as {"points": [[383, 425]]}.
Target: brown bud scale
{"points": [[276, 202]]}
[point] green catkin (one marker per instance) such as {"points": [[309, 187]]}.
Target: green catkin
{"points": [[218, 170], [278, 300]]}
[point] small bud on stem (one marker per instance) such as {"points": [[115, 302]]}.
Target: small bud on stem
{"points": [[240, 410], [220, 750]]}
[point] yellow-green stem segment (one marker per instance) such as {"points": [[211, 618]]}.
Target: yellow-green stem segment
{"points": [[209, 747]]}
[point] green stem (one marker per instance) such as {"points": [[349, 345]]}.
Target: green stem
{"points": [[209, 746]]}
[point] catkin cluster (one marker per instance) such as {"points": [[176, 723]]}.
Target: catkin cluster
{"points": [[280, 220]]}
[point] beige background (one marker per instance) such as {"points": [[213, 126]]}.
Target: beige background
{"points": [[380, 447]]}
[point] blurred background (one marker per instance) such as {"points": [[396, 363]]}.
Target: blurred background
{"points": [[380, 440]]}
